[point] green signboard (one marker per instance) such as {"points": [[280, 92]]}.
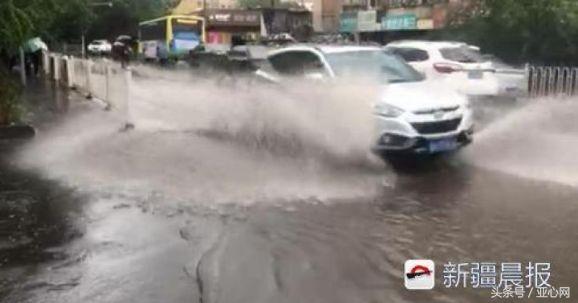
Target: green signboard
{"points": [[399, 22], [348, 22]]}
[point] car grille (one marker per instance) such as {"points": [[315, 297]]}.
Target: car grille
{"points": [[431, 111], [438, 127]]}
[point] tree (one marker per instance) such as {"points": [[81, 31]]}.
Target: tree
{"points": [[124, 16], [21, 20], [540, 31]]}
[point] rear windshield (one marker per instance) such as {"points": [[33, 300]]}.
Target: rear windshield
{"points": [[410, 54], [462, 54]]}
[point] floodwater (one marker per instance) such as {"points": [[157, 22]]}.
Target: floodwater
{"points": [[168, 213]]}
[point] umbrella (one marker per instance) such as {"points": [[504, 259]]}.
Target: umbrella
{"points": [[124, 38], [33, 45]]}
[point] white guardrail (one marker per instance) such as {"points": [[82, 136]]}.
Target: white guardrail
{"points": [[102, 79], [552, 81], [108, 81]]}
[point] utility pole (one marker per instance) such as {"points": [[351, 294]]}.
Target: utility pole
{"points": [[22, 66], [205, 12]]}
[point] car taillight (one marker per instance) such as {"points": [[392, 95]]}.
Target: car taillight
{"points": [[446, 68]]}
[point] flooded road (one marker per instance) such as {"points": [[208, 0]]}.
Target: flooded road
{"points": [[162, 216]]}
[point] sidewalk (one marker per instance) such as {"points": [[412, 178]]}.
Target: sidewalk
{"points": [[35, 214]]}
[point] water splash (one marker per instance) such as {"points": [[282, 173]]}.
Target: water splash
{"points": [[538, 140], [199, 141]]}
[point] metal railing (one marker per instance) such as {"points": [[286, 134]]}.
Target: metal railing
{"points": [[101, 79], [552, 81]]}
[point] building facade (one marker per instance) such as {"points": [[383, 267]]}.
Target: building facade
{"points": [[404, 17], [188, 6], [227, 24], [325, 13], [385, 20]]}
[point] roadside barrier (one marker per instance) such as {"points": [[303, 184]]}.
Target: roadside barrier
{"points": [[552, 81], [100, 79]]}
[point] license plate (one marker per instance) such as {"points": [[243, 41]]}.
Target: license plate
{"points": [[475, 74], [441, 145]]}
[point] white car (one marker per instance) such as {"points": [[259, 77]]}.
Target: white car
{"points": [[413, 116], [460, 66], [99, 47]]}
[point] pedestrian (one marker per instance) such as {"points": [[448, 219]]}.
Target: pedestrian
{"points": [[36, 60], [121, 52], [162, 54]]}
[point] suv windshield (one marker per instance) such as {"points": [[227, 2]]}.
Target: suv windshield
{"points": [[462, 54], [372, 63]]}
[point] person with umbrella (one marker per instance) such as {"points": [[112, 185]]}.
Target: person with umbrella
{"points": [[33, 49], [122, 49]]}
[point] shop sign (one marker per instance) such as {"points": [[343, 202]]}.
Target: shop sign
{"points": [[399, 22], [425, 24], [233, 18], [367, 21], [348, 22]]}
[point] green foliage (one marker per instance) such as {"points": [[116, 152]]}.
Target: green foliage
{"points": [[539, 31], [21, 20], [10, 105], [15, 25], [66, 20], [123, 17], [71, 21]]}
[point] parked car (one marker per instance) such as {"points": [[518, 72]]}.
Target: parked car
{"points": [[462, 67], [413, 116], [248, 57], [239, 60], [99, 47]]}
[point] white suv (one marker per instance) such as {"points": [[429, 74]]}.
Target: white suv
{"points": [[460, 66], [413, 116]]}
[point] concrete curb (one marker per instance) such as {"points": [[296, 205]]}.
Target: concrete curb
{"points": [[13, 132]]}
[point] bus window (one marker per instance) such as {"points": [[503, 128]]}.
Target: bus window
{"points": [[187, 35], [153, 31]]}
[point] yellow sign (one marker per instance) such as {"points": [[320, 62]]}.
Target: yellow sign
{"points": [[425, 24]]}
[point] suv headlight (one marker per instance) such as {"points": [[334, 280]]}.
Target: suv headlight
{"points": [[387, 110]]}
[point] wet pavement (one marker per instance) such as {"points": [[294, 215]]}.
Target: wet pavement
{"points": [[64, 240]]}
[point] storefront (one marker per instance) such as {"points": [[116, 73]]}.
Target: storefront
{"points": [[394, 24], [227, 26], [296, 22], [224, 26], [418, 18], [359, 24]]}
